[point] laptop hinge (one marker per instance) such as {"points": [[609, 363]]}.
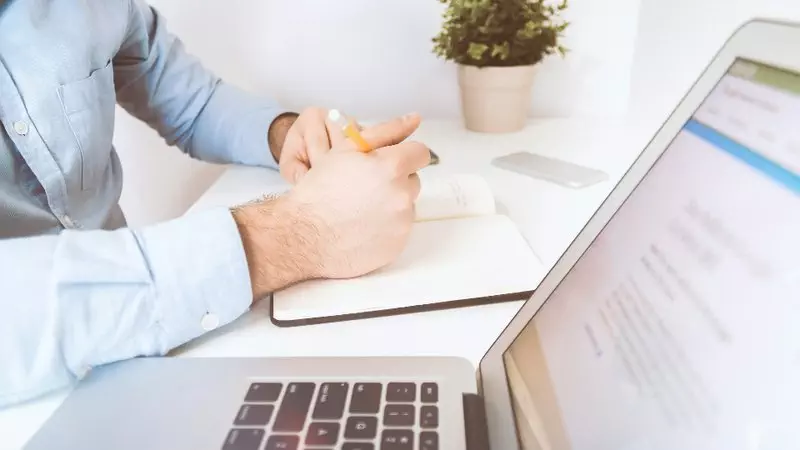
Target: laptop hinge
{"points": [[475, 426]]}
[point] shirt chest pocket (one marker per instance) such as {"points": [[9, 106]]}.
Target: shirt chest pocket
{"points": [[89, 108]]}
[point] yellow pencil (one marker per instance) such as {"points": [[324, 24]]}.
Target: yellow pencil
{"points": [[350, 129]]}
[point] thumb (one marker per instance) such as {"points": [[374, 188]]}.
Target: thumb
{"points": [[293, 169], [392, 132]]}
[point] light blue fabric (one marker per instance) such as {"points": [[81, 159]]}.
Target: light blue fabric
{"points": [[77, 288]]}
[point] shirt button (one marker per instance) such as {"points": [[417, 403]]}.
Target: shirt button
{"points": [[209, 322], [21, 128], [67, 221]]}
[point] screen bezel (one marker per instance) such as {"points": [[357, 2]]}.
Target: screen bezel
{"points": [[759, 40]]}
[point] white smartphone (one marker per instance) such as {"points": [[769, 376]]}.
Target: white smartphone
{"points": [[555, 170]]}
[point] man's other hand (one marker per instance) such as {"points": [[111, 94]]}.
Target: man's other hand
{"points": [[309, 137], [349, 215]]}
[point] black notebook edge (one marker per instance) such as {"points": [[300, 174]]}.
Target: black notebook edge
{"points": [[437, 306]]}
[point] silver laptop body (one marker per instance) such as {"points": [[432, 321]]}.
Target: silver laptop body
{"points": [[629, 366]]}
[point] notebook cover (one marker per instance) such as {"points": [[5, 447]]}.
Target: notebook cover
{"points": [[437, 306]]}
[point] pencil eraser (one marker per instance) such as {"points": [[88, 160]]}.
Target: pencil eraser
{"points": [[334, 115]]}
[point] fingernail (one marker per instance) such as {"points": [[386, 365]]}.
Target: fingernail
{"points": [[409, 116]]}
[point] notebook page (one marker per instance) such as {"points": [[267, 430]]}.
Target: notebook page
{"points": [[462, 195], [444, 261]]}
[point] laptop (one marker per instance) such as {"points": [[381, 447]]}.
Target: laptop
{"points": [[671, 321]]}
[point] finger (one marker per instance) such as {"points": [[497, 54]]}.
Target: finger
{"points": [[335, 134], [405, 158], [292, 154], [293, 170], [391, 132], [316, 138], [414, 185], [315, 134], [299, 173]]}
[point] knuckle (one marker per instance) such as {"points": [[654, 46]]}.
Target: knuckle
{"points": [[419, 152], [417, 147], [402, 205], [399, 201], [416, 187], [393, 168], [407, 199]]}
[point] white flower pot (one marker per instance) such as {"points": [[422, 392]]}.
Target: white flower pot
{"points": [[495, 99]]}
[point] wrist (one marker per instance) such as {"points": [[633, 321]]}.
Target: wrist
{"points": [[279, 244], [278, 129]]}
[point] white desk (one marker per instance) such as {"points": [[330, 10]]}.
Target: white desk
{"points": [[549, 216]]}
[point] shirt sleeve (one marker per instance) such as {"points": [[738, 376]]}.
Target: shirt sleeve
{"points": [[86, 298], [158, 82]]}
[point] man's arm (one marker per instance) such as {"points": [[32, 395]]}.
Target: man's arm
{"points": [[86, 298], [191, 108]]}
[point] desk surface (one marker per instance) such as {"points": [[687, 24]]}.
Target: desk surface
{"points": [[549, 216]]}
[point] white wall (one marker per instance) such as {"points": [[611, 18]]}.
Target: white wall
{"points": [[678, 38], [371, 58]]}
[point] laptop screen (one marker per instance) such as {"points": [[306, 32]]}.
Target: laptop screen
{"points": [[679, 327]]}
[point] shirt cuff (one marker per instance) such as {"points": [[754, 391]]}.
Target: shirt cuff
{"points": [[234, 127], [202, 275]]}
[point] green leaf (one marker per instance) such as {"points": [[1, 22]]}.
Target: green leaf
{"points": [[476, 50], [501, 51]]}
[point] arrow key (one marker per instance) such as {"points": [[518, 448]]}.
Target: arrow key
{"points": [[322, 433]]}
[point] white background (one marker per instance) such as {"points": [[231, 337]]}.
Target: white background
{"points": [[677, 38], [373, 59]]}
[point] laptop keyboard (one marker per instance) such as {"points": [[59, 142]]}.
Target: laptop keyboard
{"points": [[337, 415]]}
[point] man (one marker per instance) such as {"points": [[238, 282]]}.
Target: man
{"points": [[78, 288]]}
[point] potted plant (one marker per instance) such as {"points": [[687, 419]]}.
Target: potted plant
{"points": [[497, 44]]}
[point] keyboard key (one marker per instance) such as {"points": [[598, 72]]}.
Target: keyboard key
{"points": [[430, 393], [398, 415], [428, 440], [330, 401], [361, 427], [358, 446], [429, 417], [397, 440], [322, 433], [294, 407], [366, 398], [263, 392], [243, 439], [401, 392], [254, 415], [277, 442]]}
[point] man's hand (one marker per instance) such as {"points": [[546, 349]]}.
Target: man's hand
{"points": [[278, 130], [349, 215], [297, 142]]}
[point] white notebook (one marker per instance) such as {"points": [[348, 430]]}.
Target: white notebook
{"points": [[461, 252]]}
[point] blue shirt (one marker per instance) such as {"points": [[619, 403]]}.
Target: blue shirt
{"points": [[77, 288]]}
